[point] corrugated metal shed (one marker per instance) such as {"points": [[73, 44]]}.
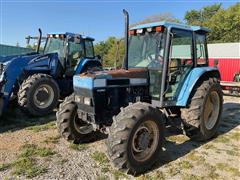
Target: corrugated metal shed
{"points": [[6, 50], [228, 57], [224, 50]]}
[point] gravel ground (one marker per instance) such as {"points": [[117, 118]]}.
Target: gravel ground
{"points": [[57, 159]]}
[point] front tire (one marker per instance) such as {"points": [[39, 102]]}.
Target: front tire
{"points": [[38, 94], [136, 137], [69, 125], [203, 115]]}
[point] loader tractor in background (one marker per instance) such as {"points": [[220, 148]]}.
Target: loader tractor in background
{"points": [[165, 79], [38, 80]]}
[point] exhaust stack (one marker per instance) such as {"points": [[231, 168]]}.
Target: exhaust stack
{"points": [[126, 15], [39, 40]]}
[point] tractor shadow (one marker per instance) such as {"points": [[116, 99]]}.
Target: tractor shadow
{"points": [[14, 119], [172, 150]]}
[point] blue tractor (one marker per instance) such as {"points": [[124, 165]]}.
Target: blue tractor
{"points": [[165, 79], [38, 80]]}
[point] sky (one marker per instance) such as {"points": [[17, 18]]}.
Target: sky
{"points": [[94, 18]]}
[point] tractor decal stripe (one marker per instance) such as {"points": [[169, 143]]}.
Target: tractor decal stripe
{"points": [[137, 81], [100, 83]]}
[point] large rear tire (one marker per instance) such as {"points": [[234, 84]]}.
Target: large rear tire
{"points": [[69, 125], [203, 114], [38, 94], [136, 137]]}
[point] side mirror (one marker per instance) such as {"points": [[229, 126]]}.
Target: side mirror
{"points": [[215, 62], [99, 57], [77, 39]]}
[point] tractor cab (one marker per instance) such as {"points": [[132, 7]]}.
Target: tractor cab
{"points": [[169, 51], [70, 48]]}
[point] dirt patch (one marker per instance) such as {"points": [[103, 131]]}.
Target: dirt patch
{"points": [[181, 158]]}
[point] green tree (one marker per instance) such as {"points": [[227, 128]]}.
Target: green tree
{"points": [[155, 18], [199, 17], [223, 23]]}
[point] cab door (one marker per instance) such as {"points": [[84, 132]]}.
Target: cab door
{"points": [[180, 63]]}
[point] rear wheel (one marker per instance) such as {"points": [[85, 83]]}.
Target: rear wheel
{"points": [[203, 115], [38, 94], [135, 138], [69, 125]]}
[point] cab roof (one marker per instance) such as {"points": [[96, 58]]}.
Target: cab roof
{"points": [[171, 25], [72, 35]]}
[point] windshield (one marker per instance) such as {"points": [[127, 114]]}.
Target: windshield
{"points": [[55, 45], [146, 50]]}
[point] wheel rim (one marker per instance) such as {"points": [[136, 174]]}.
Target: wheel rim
{"points": [[211, 110], [80, 126], [145, 141], [43, 96]]}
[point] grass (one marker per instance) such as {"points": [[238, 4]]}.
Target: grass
{"points": [[233, 152], [100, 157], [194, 157], [221, 139], [185, 164], [209, 146], [119, 175], [212, 171], [227, 168], [44, 127], [34, 150], [26, 162], [28, 167], [52, 139], [78, 147], [5, 166], [191, 177], [177, 138]]}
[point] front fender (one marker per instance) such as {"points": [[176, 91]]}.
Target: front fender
{"points": [[190, 82]]}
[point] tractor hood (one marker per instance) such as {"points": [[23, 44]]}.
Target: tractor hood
{"points": [[113, 78], [4, 59]]}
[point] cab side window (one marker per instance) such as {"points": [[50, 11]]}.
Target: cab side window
{"points": [[200, 47], [89, 49], [180, 61]]}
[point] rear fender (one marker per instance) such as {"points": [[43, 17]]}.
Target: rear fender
{"points": [[85, 62], [194, 76]]}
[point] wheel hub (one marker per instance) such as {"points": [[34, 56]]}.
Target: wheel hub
{"points": [[142, 140], [81, 126], [211, 110], [145, 140], [43, 96]]}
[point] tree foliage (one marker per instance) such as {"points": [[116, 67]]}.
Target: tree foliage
{"points": [[111, 51], [223, 23], [155, 18]]}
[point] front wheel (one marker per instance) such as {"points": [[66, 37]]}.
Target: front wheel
{"points": [[136, 137], [69, 125], [38, 94]]}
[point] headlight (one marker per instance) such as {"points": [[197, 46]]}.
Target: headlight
{"points": [[87, 101], [78, 99]]}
